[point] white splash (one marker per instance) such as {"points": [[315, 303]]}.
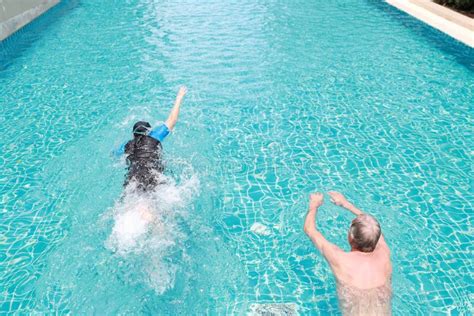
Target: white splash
{"points": [[145, 225], [287, 309], [132, 220], [260, 229]]}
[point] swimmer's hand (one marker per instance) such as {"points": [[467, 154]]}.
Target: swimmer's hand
{"points": [[315, 200], [338, 199], [182, 92]]}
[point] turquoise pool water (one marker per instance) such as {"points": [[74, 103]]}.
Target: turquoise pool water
{"points": [[284, 98]]}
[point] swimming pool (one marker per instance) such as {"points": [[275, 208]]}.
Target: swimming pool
{"points": [[284, 98]]}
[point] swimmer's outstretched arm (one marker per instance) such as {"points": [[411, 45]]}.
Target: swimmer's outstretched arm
{"points": [[340, 200], [330, 251], [118, 152], [173, 116]]}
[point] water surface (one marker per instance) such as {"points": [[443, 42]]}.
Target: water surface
{"points": [[284, 98]]}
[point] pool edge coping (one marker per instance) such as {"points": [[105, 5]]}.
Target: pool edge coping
{"points": [[450, 22], [15, 23]]}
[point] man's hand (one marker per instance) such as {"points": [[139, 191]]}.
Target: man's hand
{"points": [[338, 199], [182, 91], [315, 200], [331, 252]]}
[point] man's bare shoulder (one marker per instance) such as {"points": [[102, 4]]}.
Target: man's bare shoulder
{"points": [[354, 267], [340, 260]]}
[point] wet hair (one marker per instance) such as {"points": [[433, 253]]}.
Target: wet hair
{"points": [[141, 128], [364, 233]]}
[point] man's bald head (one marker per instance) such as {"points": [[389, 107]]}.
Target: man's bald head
{"points": [[364, 233]]}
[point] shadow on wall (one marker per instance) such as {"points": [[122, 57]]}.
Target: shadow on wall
{"points": [[462, 53], [14, 45]]}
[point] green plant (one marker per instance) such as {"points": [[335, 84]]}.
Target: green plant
{"points": [[467, 5]]}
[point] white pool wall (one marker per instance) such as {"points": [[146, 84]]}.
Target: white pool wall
{"points": [[14, 14]]}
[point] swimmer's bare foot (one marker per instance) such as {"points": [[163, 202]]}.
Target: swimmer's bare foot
{"points": [[145, 211], [147, 215]]}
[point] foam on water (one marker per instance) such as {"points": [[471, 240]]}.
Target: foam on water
{"points": [[260, 229], [139, 113], [284, 98], [129, 227], [275, 309], [146, 224]]}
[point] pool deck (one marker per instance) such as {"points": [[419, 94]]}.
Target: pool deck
{"points": [[446, 20], [14, 14]]}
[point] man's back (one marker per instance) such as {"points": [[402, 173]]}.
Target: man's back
{"points": [[364, 281], [365, 302], [364, 270]]}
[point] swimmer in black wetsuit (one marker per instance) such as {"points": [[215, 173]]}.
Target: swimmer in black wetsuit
{"points": [[144, 151]]}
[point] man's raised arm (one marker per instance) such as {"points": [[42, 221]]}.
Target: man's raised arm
{"points": [[327, 249], [173, 116], [340, 200]]}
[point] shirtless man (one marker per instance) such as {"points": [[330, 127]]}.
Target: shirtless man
{"points": [[363, 275]]}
